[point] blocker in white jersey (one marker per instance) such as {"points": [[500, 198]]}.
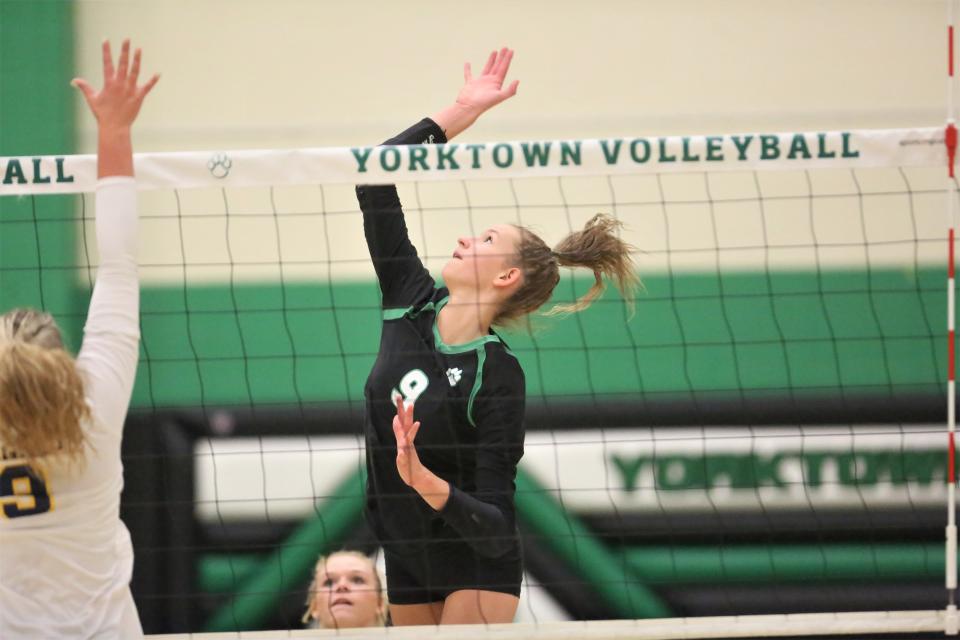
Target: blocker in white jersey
{"points": [[65, 557]]}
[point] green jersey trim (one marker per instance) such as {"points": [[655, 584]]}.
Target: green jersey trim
{"points": [[477, 381], [443, 347], [478, 345], [396, 314]]}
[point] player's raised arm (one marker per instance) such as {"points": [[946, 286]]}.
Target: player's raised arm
{"points": [[403, 278], [108, 356]]}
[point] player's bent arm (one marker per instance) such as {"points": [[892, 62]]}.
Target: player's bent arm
{"points": [[486, 516]]}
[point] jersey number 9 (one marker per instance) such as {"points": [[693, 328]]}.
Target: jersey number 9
{"points": [[23, 491], [411, 386]]}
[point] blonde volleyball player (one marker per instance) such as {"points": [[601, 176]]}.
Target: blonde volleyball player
{"points": [[441, 497], [346, 592], [65, 556]]}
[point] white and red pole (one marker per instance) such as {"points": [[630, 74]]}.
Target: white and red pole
{"points": [[952, 623]]}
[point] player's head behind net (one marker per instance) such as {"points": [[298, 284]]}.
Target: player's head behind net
{"points": [[42, 401]]}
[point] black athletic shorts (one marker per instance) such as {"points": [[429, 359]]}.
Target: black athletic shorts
{"points": [[445, 566]]}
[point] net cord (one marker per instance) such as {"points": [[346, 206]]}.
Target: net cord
{"points": [[759, 626]]}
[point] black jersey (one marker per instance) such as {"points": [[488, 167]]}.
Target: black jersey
{"points": [[469, 399]]}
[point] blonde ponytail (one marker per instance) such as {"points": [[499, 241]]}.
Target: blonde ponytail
{"points": [[597, 247]]}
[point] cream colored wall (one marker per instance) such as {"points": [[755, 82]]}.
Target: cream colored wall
{"points": [[246, 74], [241, 74]]}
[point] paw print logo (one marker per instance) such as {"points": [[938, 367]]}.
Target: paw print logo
{"points": [[453, 375], [219, 165]]}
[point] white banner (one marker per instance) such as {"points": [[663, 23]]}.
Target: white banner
{"points": [[668, 470], [922, 147]]}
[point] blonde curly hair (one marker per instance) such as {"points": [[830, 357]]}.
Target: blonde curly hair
{"points": [[42, 402]]}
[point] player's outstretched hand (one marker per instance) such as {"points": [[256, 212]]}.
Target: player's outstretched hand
{"points": [[486, 90], [117, 104], [478, 94], [405, 430]]}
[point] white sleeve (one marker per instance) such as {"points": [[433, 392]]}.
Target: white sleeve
{"points": [[111, 337]]}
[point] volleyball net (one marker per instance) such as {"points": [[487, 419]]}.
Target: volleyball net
{"points": [[765, 436]]}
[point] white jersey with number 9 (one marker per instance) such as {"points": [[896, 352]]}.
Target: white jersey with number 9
{"points": [[65, 556]]}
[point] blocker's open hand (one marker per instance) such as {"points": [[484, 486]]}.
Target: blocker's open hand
{"points": [[117, 104]]}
